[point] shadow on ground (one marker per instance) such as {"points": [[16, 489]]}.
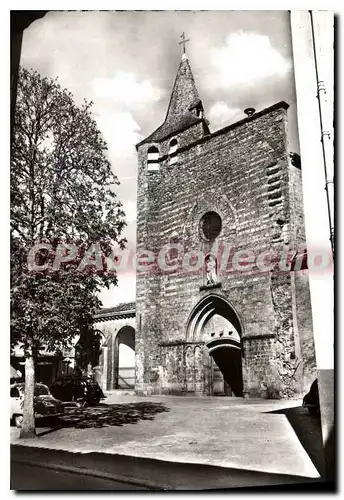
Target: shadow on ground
{"points": [[308, 430], [154, 474], [110, 415]]}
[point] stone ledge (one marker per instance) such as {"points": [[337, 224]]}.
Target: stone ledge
{"points": [[255, 337], [179, 342], [210, 287]]}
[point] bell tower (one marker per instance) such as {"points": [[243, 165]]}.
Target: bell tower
{"points": [[160, 158]]}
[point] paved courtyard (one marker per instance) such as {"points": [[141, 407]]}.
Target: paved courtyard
{"points": [[226, 432]]}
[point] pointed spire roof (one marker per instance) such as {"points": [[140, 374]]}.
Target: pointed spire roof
{"points": [[183, 106], [184, 93]]}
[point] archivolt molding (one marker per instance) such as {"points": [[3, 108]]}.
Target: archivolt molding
{"points": [[207, 307]]}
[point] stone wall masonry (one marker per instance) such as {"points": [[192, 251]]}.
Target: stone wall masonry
{"points": [[261, 380], [296, 197], [300, 285], [287, 380], [304, 324], [172, 371]]}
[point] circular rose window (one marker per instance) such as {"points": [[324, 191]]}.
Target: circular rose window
{"points": [[210, 225]]}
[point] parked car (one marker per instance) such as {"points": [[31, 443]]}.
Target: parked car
{"points": [[311, 399], [45, 404], [79, 389]]}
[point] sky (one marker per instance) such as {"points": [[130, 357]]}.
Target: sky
{"points": [[126, 63]]}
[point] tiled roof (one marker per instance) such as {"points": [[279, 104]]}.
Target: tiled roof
{"points": [[124, 306], [126, 309], [168, 129]]}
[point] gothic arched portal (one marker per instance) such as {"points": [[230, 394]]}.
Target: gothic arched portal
{"points": [[215, 326]]}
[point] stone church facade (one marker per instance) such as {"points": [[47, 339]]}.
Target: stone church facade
{"points": [[207, 322]]}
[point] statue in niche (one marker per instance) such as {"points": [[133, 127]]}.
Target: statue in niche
{"points": [[210, 269]]}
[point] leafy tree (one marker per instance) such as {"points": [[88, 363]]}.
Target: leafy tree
{"points": [[62, 192], [88, 350]]}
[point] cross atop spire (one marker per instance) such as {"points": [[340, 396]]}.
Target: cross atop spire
{"points": [[185, 107], [184, 41]]}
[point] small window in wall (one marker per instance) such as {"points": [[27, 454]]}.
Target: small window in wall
{"points": [[172, 151], [152, 158], [199, 110]]}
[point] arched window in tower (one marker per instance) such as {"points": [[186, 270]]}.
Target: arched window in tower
{"points": [[172, 151], [199, 110], [152, 158]]}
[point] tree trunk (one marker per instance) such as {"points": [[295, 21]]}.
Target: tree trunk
{"points": [[28, 429]]}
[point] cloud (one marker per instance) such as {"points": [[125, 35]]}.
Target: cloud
{"points": [[120, 131], [125, 292], [247, 58], [124, 88], [220, 114]]}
